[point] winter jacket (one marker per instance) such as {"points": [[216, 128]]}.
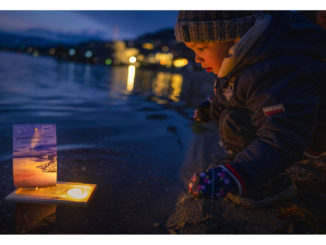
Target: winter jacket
{"points": [[281, 78]]}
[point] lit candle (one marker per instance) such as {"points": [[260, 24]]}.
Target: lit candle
{"points": [[77, 193]]}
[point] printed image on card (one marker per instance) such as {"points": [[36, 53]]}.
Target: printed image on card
{"points": [[34, 155]]}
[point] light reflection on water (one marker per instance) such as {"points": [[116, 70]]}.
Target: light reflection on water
{"points": [[162, 84], [131, 78], [75, 95], [48, 87], [29, 79]]}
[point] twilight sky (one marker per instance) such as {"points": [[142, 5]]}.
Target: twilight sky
{"points": [[103, 24]]}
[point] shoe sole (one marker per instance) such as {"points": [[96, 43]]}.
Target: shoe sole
{"points": [[287, 194]]}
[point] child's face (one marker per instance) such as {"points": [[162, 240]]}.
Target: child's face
{"points": [[210, 54]]}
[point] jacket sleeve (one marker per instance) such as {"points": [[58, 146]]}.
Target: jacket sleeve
{"points": [[285, 102]]}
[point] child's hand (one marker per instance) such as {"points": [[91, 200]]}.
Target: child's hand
{"points": [[214, 183], [202, 112]]}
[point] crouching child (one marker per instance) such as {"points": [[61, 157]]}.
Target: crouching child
{"points": [[269, 103]]}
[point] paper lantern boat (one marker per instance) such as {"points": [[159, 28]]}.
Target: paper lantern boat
{"points": [[68, 193], [35, 169]]}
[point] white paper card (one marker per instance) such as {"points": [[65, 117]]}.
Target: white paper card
{"points": [[34, 155]]}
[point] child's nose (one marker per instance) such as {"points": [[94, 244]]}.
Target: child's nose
{"points": [[198, 59]]}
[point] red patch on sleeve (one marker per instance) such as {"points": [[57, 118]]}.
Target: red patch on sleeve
{"points": [[275, 109]]}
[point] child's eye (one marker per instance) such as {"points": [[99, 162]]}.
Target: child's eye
{"points": [[201, 49]]}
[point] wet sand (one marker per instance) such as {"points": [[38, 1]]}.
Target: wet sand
{"points": [[137, 174]]}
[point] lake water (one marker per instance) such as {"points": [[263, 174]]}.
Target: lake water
{"points": [[125, 129]]}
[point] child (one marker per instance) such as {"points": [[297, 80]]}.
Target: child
{"points": [[269, 103]]}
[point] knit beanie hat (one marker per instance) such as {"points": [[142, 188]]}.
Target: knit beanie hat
{"points": [[220, 26]]}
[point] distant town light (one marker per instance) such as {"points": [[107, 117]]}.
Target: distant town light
{"points": [[72, 52], [164, 59], [165, 48], [52, 51], [36, 53], [180, 62], [88, 54], [148, 46], [140, 57], [132, 59], [108, 61]]}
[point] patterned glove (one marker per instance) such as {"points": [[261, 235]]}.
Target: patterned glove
{"points": [[202, 112], [215, 183]]}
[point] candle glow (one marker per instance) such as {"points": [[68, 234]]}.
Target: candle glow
{"points": [[77, 193]]}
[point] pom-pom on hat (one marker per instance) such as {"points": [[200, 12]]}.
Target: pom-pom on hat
{"points": [[213, 26]]}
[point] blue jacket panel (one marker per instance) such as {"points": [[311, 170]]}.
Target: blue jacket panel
{"points": [[284, 70]]}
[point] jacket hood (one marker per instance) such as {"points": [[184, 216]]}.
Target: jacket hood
{"points": [[276, 34]]}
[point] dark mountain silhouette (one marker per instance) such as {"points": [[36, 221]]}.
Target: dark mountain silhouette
{"points": [[162, 35], [44, 38]]}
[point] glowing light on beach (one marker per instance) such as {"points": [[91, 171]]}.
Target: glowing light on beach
{"points": [[77, 193], [131, 77], [132, 59], [62, 192]]}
